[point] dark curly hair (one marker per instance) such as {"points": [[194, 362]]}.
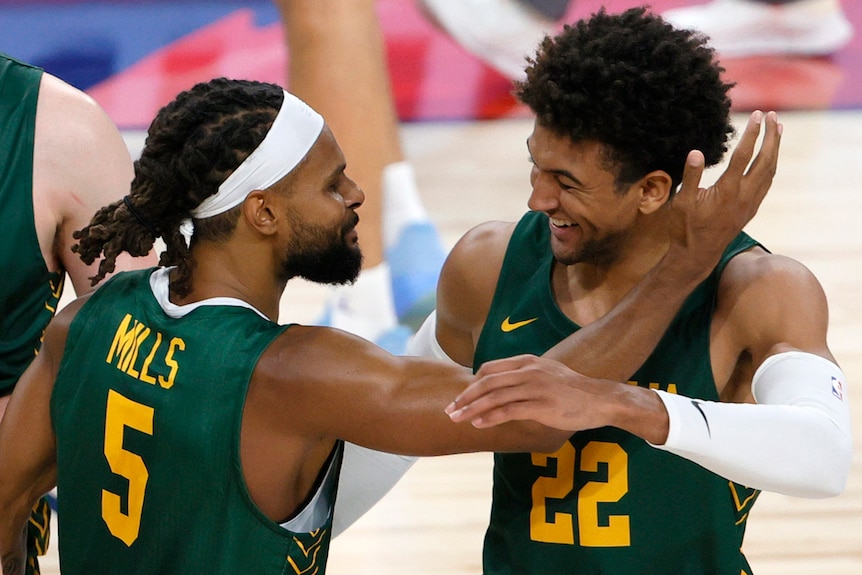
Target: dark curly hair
{"points": [[647, 91], [192, 146]]}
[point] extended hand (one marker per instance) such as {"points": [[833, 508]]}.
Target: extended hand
{"points": [[705, 220], [529, 387], [546, 391]]}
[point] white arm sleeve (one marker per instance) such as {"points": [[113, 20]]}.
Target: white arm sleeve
{"points": [[425, 344], [367, 475], [796, 440]]}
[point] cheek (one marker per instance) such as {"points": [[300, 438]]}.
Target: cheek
{"points": [[623, 217], [327, 213], [600, 217]]}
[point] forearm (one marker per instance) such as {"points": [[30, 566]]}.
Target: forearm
{"points": [[616, 345], [795, 441]]}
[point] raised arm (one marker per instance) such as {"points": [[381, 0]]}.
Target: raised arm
{"points": [[704, 221]]}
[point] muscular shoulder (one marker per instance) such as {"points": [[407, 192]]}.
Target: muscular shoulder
{"points": [[78, 144], [311, 365], [466, 287], [768, 300], [61, 101], [756, 274], [480, 251], [471, 271]]}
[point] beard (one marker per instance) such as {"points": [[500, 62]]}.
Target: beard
{"points": [[323, 255], [600, 252]]}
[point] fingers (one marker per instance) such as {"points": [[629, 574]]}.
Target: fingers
{"points": [[511, 368], [693, 171], [498, 383], [491, 376], [745, 148], [506, 364], [498, 403], [766, 162]]}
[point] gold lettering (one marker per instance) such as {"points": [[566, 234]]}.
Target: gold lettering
{"points": [[139, 339], [126, 347], [176, 344], [670, 387], [145, 370], [123, 339]]}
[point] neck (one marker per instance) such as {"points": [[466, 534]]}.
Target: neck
{"points": [[586, 291], [221, 271]]}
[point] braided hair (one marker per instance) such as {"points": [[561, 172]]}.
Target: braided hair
{"points": [[647, 91], [192, 146]]}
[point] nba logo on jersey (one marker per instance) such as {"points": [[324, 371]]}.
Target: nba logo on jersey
{"points": [[837, 389]]}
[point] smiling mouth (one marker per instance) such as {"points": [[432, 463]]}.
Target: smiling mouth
{"points": [[562, 223]]}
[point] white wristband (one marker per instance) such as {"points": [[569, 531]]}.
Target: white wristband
{"points": [[795, 441]]}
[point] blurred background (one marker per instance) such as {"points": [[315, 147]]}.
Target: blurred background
{"points": [[464, 134], [133, 56]]}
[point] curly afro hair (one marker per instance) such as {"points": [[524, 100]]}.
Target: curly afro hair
{"points": [[647, 91], [192, 146]]}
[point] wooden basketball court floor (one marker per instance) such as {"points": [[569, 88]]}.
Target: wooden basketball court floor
{"points": [[433, 521]]}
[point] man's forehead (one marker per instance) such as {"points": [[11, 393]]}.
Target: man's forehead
{"points": [[324, 160]]}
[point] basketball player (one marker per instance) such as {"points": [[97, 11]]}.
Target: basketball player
{"points": [[753, 399], [61, 158]]}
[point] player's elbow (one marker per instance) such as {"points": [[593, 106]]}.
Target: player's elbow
{"points": [[825, 473], [837, 463]]}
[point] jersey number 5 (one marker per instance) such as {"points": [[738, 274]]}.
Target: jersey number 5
{"points": [[122, 413], [591, 533]]}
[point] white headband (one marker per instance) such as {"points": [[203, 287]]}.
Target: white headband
{"points": [[292, 134]]}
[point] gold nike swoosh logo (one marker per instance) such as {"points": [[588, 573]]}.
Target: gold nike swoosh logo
{"points": [[507, 327]]}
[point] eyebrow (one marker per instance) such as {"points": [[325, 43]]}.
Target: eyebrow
{"points": [[564, 173]]}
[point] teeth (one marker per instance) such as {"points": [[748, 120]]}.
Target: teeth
{"points": [[561, 223]]}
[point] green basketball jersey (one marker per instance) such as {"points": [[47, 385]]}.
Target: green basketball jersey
{"points": [[607, 503], [28, 292], [147, 410]]}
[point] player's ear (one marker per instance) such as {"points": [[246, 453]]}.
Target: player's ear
{"points": [[258, 211], [656, 189]]}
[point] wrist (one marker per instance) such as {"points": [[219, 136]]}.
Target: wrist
{"points": [[641, 412], [682, 272]]}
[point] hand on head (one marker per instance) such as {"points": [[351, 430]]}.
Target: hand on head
{"points": [[704, 220]]}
